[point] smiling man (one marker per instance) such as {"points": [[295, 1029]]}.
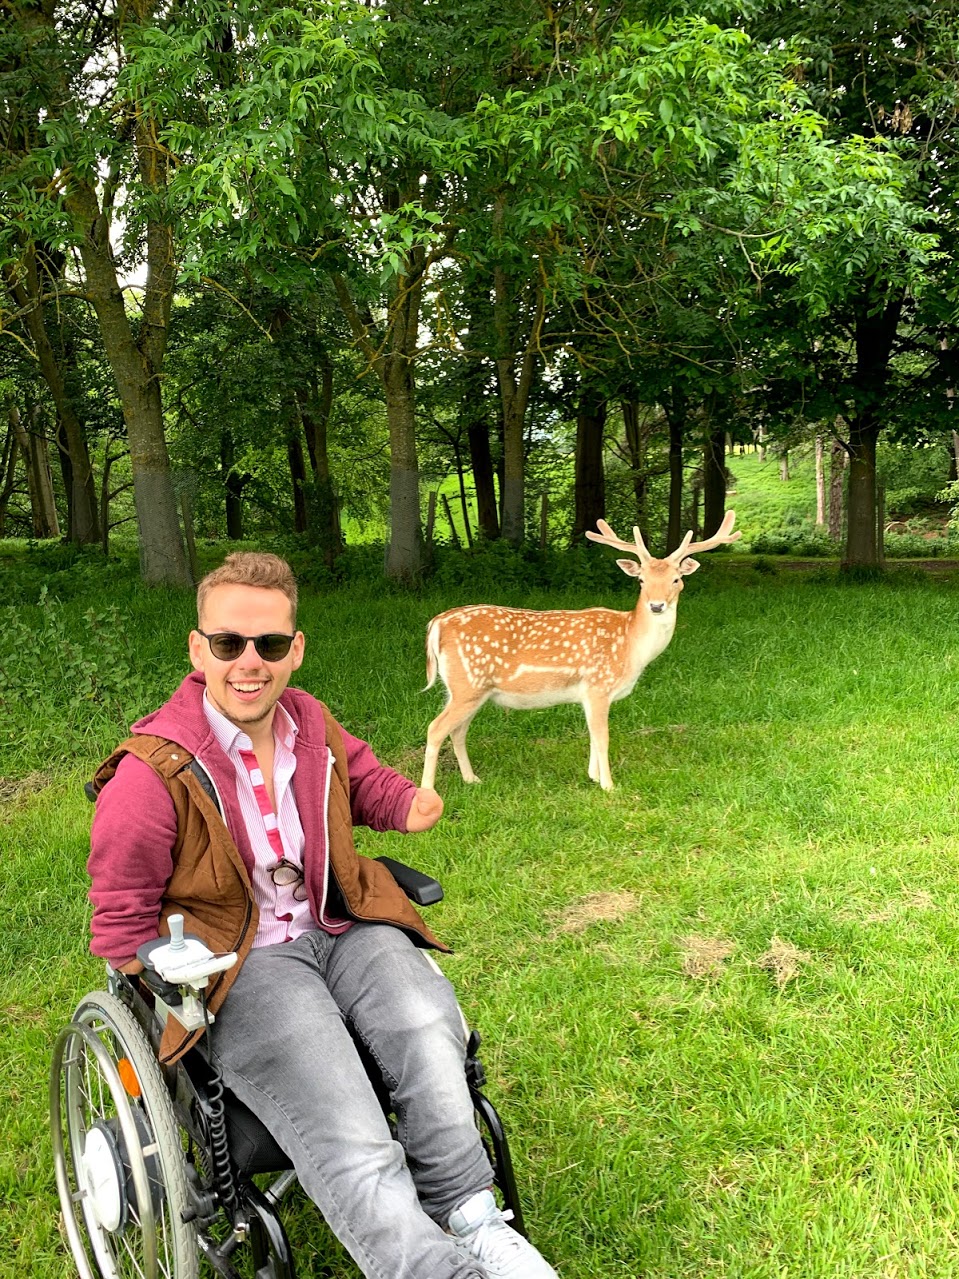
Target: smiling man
{"points": [[234, 805]]}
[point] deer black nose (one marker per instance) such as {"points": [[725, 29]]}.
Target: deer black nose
{"points": [[657, 606]]}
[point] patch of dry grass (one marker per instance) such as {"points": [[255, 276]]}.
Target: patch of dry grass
{"points": [[783, 960], [703, 957], [596, 908], [17, 788]]}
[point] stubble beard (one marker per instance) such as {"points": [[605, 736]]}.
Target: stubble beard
{"points": [[255, 715]]}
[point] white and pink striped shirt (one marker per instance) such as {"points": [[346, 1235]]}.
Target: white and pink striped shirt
{"points": [[274, 835]]}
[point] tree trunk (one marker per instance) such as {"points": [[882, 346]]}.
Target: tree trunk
{"points": [[405, 557], [8, 474], [108, 460], [514, 389], [837, 466], [476, 405], [714, 481], [294, 453], [676, 413], [187, 488], [41, 454], [233, 485], [784, 464], [875, 334], [636, 444], [820, 483], [514, 386], [82, 523], [326, 513], [589, 478], [137, 364], [861, 543], [36, 458], [481, 461]]}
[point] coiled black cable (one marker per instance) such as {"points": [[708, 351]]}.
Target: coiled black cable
{"points": [[219, 1143]]}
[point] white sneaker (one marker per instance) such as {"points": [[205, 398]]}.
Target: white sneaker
{"points": [[481, 1232]]}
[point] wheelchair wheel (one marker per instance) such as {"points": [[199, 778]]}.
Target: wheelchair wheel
{"points": [[118, 1155]]}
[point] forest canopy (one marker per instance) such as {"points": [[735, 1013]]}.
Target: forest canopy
{"points": [[269, 269]]}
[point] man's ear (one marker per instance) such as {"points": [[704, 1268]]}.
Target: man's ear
{"points": [[196, 650], [297, 649], [630, 567], [688, 566]]}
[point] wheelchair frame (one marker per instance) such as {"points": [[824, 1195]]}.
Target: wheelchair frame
{"points": [[155, 1164]]}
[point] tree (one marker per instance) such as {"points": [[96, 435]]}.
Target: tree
{"points": [[77, 142], [870, 346]]}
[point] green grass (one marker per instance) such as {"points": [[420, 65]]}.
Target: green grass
{"points": [[763, 502], [786, 770]]}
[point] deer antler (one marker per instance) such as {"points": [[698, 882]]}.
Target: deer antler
{"points": [[606, 537], [722, 535]]}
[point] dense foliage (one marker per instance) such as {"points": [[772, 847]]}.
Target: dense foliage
{"points": [[270, 269]]}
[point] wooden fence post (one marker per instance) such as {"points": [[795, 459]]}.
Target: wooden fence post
{"points": [[430, 518], [449, 515]]}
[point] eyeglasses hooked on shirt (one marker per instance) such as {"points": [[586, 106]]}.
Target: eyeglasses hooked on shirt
{"points": [[286, 873]]}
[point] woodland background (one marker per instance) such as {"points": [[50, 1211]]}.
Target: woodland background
{"points": [[288, 271]]}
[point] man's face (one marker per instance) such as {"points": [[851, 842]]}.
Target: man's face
{"points": [[247, 688]]}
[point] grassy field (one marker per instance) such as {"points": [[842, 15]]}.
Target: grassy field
{"points": [[719, 1005], [762, 500]]}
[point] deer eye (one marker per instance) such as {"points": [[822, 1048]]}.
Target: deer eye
{"points": [[676, 581]]}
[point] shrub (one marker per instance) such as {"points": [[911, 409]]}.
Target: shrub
{"points": [[807, 542], [915, 546], [63, 678]]}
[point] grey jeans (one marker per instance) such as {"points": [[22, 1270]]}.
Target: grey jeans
{"points": [[283, 1047]]}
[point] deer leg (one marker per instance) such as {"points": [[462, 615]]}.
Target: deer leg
{"points": [[597, 721], [452, 721], [458, 738]]}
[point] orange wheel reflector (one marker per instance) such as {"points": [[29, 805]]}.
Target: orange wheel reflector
{"points": [[128, 1077]]}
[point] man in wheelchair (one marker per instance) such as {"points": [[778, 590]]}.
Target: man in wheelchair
{"points": [[233, 806]]}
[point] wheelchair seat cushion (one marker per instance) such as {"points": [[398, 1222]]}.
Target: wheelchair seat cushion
{"points": [[253, 1148]]}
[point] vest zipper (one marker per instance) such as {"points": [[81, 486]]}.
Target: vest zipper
{"points": [[330, 761]]}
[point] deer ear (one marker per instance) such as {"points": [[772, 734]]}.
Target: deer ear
{"points": [[630, 567], [688, 566]]}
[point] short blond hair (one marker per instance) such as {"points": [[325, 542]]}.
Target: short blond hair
{"points": [[250, 568]]}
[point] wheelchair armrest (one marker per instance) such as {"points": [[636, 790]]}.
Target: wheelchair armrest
{"points": [[420, 888]]}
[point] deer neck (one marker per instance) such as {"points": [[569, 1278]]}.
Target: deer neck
{"points": [[650, 633]]}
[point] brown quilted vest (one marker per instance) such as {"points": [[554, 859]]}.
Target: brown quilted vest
{"points": [[210, 886]]}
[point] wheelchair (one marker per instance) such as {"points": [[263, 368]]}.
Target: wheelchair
{"points": [[160, 1168]]}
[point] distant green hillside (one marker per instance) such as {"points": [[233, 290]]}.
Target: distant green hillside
{"points": [[763, 502], [778, 515]]}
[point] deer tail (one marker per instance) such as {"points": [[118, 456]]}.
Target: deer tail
{"points": [[432, 653]]}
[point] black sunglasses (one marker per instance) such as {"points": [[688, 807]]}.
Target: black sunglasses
{"points": [[227, 645]]}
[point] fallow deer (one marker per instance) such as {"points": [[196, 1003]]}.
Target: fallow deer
{"points": [[528, 658]]}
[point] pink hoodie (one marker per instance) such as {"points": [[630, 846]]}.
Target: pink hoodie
{"points": [[134, 828]]}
